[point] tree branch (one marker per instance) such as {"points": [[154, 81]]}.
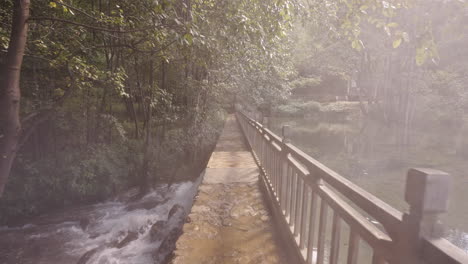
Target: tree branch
{"points": [[92, 27], [31, 121], [134, 48], [77, 10]]}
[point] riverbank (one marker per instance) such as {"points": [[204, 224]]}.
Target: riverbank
{"points": [[340, 110], [90, 174]]}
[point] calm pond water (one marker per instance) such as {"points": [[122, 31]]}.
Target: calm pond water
{"points": [[376, 157]]}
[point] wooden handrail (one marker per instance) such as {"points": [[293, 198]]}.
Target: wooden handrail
{"points": [[388, 216], [297, 180]]}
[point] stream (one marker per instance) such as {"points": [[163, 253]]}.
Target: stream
{"points": [[127, 229]]}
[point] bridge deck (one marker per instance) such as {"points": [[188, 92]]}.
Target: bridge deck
{"points": [[229, 222]]}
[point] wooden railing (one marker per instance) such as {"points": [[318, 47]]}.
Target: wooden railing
{"points": [[309, 196]]}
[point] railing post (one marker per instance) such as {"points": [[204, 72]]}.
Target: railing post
{"points": [[286, 134], [427, 193], [266, 122], [258, 117]]}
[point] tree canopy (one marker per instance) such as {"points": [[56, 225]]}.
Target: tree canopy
{"points": [[109, 87]]}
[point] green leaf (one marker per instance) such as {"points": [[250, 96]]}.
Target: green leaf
{"points": [[59, 92], [421, 56], [356, 45], [364, 7], [189, 38], [397, 42], [405, 36], [53, 4]]}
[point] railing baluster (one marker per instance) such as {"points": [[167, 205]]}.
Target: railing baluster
{"points": [[310, 240], [283, 192], [278, 174], [268, 155], [322, 232], [270, 162], [272, 165], [299, 201], [280, 177], [284, 167], [305, 214], [265, 153], [289, 193], [258, 139], [353, 248], [292, 216], [275, 170], [336, 235]]}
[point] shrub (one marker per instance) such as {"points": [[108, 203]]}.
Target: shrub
{"points": [[298, 109]]}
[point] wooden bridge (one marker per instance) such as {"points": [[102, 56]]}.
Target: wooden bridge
{"points": [[318, 215]]}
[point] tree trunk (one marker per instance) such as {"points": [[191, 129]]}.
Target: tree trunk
{"points": [[148, 148], [145, 170], [10, 91]]}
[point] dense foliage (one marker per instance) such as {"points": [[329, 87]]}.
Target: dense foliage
{"points": [[400, 59], [114, 93], [119, 93]]}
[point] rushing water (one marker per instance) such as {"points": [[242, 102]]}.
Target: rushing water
{"points": [[377, 157], [123, 230]]}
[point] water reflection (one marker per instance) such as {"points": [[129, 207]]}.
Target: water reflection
{"points": [[376, 157]]}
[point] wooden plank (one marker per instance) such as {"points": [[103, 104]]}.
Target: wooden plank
{"points": [[353, 248], [336, 238], [322, 232]]}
